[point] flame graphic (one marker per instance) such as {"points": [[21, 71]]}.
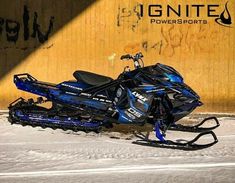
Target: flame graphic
{"points": [[222, 20]]}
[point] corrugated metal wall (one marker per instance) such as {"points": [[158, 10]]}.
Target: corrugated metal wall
{"points": [[92, 35]]}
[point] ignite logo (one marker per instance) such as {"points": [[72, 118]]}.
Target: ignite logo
{"points": [[186, 14], [222, 20]]}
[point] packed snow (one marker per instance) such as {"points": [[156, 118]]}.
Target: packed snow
{"points": [[44, 155]]}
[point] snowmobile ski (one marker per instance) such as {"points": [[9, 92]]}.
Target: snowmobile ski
{"points": [[196, 128], [179, 144]]}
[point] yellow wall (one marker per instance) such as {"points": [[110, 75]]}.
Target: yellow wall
{"points": [[94, 40]]}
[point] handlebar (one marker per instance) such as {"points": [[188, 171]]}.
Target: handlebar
{"points": [[135, 58], [128, 56]]}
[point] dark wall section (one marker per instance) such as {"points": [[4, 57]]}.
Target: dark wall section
{"points": [[26, 25]]}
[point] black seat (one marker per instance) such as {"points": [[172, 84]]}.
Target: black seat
{"points": [[91, 78]]}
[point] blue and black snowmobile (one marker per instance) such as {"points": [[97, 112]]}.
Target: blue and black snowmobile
{"points": [[153, 94]]}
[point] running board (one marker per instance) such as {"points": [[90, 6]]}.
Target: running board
{"points": [[28, 113]]}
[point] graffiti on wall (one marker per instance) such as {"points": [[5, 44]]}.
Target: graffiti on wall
{"points": [[189, 39], [145, 46], [130, 16], [10, 29]]}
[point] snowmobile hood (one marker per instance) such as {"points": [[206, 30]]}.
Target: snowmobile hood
{"points": [[170, 73], [176, 79]]}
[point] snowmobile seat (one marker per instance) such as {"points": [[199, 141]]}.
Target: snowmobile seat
{"points": [[91, 78]]}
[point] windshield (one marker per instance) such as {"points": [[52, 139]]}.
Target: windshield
{"points": [[168, 72]]}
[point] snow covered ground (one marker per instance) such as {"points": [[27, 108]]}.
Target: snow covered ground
{"points": [[44, 155]]}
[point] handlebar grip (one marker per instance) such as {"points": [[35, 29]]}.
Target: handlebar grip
{"points": [[128, 56]]}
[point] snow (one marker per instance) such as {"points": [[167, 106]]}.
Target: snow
{"points": [[44, 155]]}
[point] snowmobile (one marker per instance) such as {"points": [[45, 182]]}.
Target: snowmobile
{"points": [[154, 94]]}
